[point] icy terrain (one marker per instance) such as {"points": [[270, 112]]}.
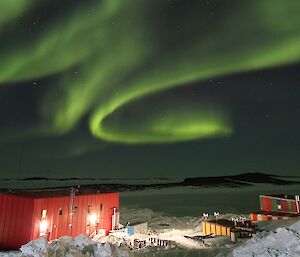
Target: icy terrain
{"points": [[80, 246], [283, 242]]}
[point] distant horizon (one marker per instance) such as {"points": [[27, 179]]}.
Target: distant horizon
{"points": [[144, 178]]}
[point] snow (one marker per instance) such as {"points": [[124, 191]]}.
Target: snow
{"points": [[281, 239], [36, 248], [10, 254], [81, 246], [283, 242], [177, 236]]}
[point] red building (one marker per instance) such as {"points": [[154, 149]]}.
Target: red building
{"points": [[24, 218], [277, 207], [280, 203]]}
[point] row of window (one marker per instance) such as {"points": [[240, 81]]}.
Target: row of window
{"points": [[75, 209]]}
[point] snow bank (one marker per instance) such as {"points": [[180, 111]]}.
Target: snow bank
{"points": [[281, 242], [177, 236], [81, 246], [10, 254], [36, 248]]}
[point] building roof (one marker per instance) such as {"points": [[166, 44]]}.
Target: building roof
{"points": [[222, 222], [138, 223], [230, 223], [280, 214], [282, 196], [60, 192]]}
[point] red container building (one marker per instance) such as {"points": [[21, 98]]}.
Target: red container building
{"points": [[280, 204], [24, 218]]}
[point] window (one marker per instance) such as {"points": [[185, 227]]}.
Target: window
{"points": [[101, 207], [44, 214], [60, 211]]}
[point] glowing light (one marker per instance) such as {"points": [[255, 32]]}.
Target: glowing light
{"points": [[43, 226], [93, 218]]}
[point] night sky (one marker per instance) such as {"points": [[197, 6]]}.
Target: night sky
{"points": [[139, 88]]}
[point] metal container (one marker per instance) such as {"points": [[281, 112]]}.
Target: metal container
{"points": [[278, 204]]}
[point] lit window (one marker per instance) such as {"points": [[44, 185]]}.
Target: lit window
{"points": [[43, 226], [93, 219], [44, 214]]}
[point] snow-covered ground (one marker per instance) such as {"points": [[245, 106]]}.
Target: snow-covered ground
{"points": [[281, 241], [81, 246]]}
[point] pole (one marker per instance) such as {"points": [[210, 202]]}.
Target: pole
{"points": [[72, 195], [297, 203]]}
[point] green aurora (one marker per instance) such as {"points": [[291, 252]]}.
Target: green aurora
{"points": [[108, 57]]}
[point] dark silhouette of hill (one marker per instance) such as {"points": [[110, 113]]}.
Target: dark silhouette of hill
{"points": [[238, 180], [241, 180]]}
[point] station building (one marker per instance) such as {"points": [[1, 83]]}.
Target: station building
{"points": [[26, 217]]}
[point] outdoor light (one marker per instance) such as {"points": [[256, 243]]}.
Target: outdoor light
{"points": [[216, 214], [43, 226], [93, 218]]}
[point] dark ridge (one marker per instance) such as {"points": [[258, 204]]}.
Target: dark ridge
{"points": [[54, 179], [262, 178], [213, 181], [77, 178], [286, 176], [241, 180]]}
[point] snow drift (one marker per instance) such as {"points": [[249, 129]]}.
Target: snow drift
{"points": [[281, 242], [284, 241], [81, 246]]}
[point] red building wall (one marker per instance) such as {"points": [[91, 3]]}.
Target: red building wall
{"points": [[20, 217], [265, 203], [284, 207], [15, 220], [60, 224], [277, 204]]}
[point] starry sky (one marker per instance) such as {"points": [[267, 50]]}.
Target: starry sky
{"points": [[139, 88]]}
